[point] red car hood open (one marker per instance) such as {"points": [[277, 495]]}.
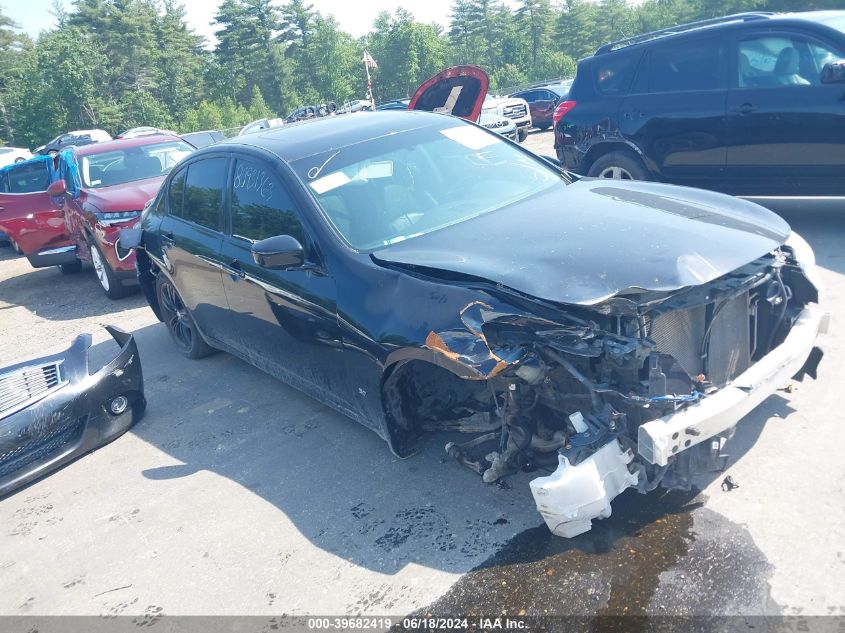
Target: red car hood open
{"points": [[458, 91], [130, 196]]}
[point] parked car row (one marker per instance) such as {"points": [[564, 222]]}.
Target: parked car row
{"points": [[67, 209], [542, 101]]}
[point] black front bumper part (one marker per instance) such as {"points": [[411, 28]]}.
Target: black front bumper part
{"points": [[62, 411]]}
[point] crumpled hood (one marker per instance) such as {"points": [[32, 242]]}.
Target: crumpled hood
{"points": [[585, 242], [130, 196]]}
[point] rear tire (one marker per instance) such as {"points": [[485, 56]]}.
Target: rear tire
{"points": [[619, 165], [109, 282], [544, 127], [181, 325], [70, 268]]}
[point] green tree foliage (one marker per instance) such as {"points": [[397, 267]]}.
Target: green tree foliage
{"points": [[115, 64], [407, 52]]}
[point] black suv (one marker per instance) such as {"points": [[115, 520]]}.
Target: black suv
{"points": [[750, 104]]}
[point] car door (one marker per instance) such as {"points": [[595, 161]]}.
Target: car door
{"points": [[284, 321], [676, 113], [543, 108], [71, 203], [27, 213], [786, 128], [191, 234]]}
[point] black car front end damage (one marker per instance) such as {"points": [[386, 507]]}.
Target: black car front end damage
{"points": [[53, 410], [640, 390]]}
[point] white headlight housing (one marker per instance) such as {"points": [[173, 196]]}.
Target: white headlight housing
{"points": [[806, 259]]}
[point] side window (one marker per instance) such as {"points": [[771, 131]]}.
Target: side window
{"points": [[613, 75], [66, 174], [687, 65], [203, 195], [530, 96], [29, 178], [176, 193], [770, 61], [261, 206], [4, 182]]}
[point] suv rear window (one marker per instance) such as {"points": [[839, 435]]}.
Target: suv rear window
{"points": [[613, 75]]}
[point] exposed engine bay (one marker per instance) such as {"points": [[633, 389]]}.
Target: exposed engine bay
{"points": [[622, 393]]}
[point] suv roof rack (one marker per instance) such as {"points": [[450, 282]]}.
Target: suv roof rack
{"points": [[681, 28]]}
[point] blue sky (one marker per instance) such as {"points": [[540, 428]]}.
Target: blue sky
{"points": [[354, 17]]}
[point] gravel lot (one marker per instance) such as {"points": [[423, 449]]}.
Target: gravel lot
{"points": [[238, 495]]}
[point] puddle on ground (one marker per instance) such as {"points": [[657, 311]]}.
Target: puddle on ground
{"points": [[659, 554]]}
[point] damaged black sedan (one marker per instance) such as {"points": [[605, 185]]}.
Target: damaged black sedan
{"points": [[419, 273]]}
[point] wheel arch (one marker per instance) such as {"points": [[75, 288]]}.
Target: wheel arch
{"points": [[407, 376], [606, 147]]}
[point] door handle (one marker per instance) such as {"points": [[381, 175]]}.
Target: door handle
{"points": [[745, 108]]}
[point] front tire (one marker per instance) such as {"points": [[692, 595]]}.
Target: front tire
{"points": [[108, 280], [181, 325], [521, 134], [15, 246], [619, 166]]}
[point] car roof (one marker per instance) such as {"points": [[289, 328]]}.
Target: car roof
{"points": [[124, 143], [738, 20], [307, 138]]}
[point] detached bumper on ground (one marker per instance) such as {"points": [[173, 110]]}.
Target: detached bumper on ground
{"points": [[573, 496], [52, 410]]}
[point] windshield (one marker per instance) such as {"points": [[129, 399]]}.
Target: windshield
{"points": [[385, 190], [133, 163]]}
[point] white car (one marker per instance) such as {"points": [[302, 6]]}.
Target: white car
{"points": [[513, 108], [260, 124], [10, 155], [146, 130], [499, 124]]}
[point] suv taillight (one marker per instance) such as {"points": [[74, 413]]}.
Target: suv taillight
{"points": [[562, 108]]}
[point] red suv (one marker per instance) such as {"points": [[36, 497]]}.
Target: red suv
{"points": [[104, 188]]}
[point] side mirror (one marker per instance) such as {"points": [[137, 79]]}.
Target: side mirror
{"points": [[57, 189], [833, 72], [280, 252]]}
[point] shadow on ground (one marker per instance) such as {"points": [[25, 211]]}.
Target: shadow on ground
{"points": [[56, 297]]}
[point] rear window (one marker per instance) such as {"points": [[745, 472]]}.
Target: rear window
{"points": [[613, 74]]}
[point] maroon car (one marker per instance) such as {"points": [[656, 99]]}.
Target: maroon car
{"points": [[104, 188], [542, 101]]}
